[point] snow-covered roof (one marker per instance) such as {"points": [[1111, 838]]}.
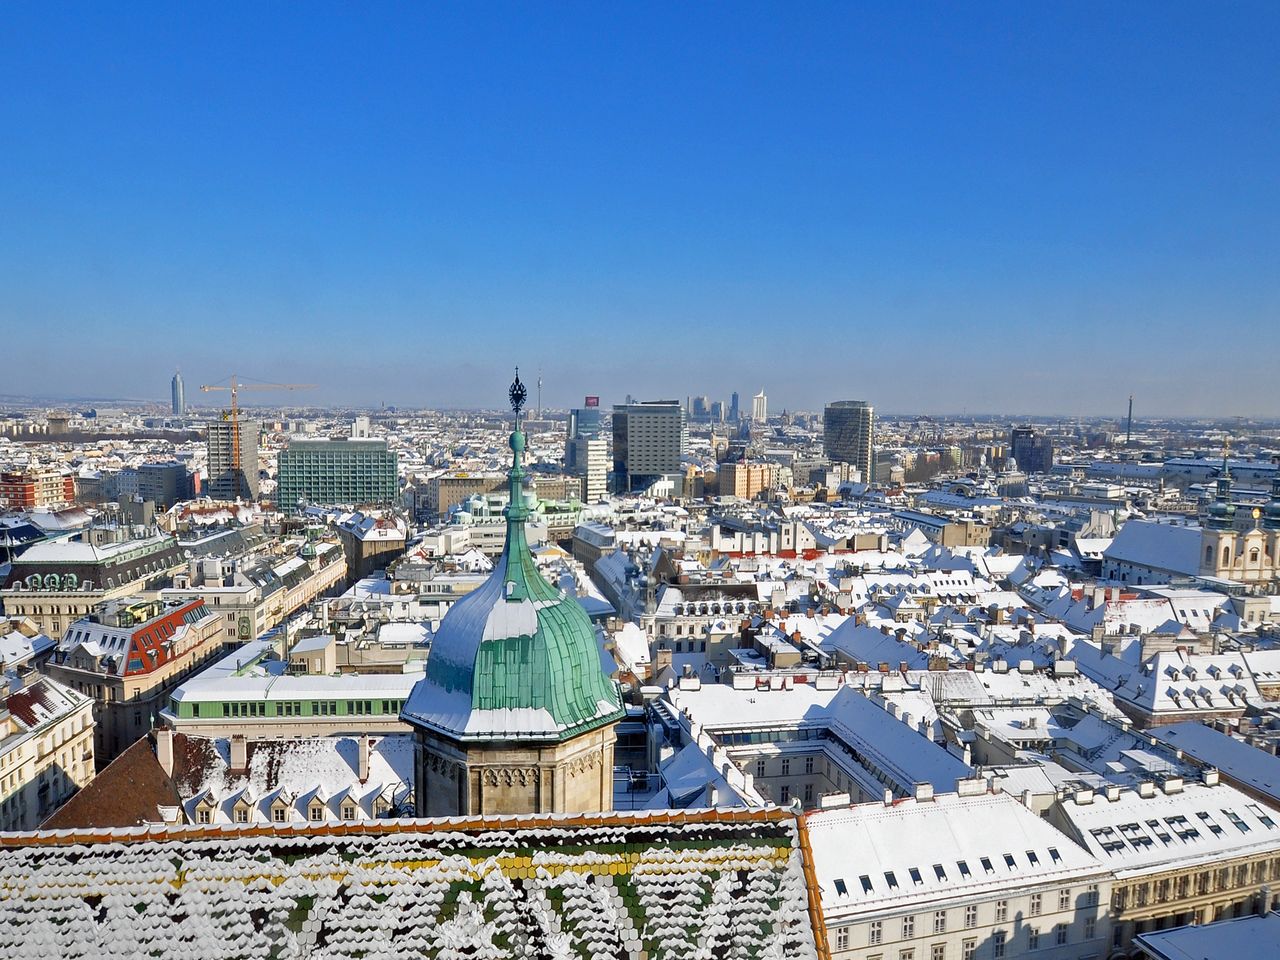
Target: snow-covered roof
{"points": [[1191, 823], [1242, 762], [871, 856], [731, 883], [1170, 681], [1161, 546]]}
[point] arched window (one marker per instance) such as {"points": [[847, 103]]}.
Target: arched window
{"points": [[1208, 554], [1253, 555], [1226, 556]]}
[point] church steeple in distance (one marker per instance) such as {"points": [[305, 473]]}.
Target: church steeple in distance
{"points": [[1222, 511]]}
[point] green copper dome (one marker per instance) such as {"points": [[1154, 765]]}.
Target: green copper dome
{"points": [[517, 658]]}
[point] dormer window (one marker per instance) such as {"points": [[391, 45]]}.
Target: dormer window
{"points": [[278, 814], [348, 811], [317, 813], [242, 814], [202, 815]]}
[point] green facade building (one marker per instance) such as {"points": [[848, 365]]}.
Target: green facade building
{"points": [[336, 472]]}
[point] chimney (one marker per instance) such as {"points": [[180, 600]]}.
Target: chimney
{"points": [[363, 770], [239, 754], [164, 750]]}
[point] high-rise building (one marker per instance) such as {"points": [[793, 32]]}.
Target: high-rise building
{"points": [[847, 435], [336, 472], [590, 460], [586, 449], [759, 408], [587, 421], [178, 396], [734, 412], [649, 442], [717, 411], [1032, 449], [231, 476]]}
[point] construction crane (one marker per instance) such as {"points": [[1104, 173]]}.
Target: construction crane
{"points": [[235, 386]]}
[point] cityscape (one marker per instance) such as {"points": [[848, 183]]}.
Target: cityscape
{"points": [[641, 483]]}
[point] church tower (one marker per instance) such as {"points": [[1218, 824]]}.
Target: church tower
{"points": [[1218, 538], [515, 714]]}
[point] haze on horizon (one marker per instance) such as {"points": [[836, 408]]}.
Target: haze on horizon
{"points": [[937, 209]]}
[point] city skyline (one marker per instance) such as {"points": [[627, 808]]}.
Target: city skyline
{"points": [[940, 209]]}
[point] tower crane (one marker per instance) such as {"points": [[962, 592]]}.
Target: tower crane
{"points": [[235, 386]]}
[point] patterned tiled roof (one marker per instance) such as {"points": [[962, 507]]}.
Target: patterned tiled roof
{"points": [[709, 884]]}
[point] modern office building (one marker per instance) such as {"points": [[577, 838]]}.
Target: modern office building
{"points": [[586, 450], [165, 484], [587, 422], [735, 411], [1032, 449], [759, 408], [233, 474], [178, 396], [336, 472], [847, 435], [649, 442]]}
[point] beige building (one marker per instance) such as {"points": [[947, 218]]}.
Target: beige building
{"points": [[59, 581], [448, 490], [1240, 547], [1180, 852], [46, 750], [127, 655], [258, 594], [745, 479]]}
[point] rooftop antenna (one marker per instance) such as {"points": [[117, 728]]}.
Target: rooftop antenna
{"points": [[1128, 432]]}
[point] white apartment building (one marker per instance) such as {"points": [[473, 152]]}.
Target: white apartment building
{"points": [[46, 750], [1180, 852], [956, 877]]}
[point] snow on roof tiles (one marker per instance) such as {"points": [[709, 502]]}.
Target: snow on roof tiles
{"points": [[661, 885]]}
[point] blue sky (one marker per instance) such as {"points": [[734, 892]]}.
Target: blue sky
{"points": [[1017, 207]]}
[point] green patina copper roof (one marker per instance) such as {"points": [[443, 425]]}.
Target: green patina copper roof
{"points": [[516, 644]]}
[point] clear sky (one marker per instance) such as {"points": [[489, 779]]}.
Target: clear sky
{"points": [[1022, 207]]}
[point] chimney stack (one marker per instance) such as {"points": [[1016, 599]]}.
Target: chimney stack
{"points": [[239, 754], [365, 747], [164, 750]]}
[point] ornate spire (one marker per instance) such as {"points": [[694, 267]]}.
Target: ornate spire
{"points": [[517, 511]]}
